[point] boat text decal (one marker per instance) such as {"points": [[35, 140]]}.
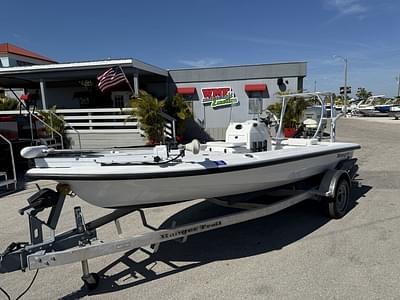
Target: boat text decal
{"points": [[191, 230]]}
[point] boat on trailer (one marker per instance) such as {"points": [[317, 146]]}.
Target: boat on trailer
{"points": [[249, 160]]}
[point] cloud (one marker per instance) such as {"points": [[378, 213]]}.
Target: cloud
{"points": [[203, 62], [348, 7]]}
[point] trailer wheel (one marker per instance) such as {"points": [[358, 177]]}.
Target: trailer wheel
{"points": [[91, 281], [337, 207]]}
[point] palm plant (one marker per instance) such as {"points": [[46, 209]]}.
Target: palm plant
{"points": [[294, 111], [49, 117], [147, 109]]}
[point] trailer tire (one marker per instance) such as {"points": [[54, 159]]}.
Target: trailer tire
{"points": [[339, 205]]}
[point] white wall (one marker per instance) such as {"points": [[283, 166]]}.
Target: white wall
{"points": [[220, 117]]}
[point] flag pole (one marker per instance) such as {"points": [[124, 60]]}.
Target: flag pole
{"points": [[127, 81]]}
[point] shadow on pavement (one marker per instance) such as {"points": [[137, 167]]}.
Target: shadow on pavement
{"points": [[242, 240]]}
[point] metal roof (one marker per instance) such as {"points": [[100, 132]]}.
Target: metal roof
{"points": [[21, 76]]}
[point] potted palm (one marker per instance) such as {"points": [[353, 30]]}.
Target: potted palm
{"points": [[147, 109], [293, 114]]}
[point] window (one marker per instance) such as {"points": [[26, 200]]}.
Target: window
{"points": [[21, 63], [255, 105], [119, 101]]}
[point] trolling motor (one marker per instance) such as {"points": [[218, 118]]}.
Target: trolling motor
{"points": [[15, 256], [42, 199]]}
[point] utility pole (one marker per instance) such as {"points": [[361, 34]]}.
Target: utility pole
{"points": [[315, 86]]}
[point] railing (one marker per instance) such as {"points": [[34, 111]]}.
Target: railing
{"points": [[52, 130], [67, 125], [109, 120], [101, 121], [14, 180], [98, 120], [31, 114], [169, 127]]}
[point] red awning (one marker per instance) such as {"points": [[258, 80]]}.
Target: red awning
{"points": [[261, 87], [186, 90]]}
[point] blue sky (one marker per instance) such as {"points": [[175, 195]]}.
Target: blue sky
{"points": [[179, 34]]}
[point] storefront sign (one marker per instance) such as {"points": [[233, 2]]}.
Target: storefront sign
{"points": [[220, 96]]}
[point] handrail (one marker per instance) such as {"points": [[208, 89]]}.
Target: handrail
{"points": [[51, 128], [12, 159], [69, 125], [173, 122]]}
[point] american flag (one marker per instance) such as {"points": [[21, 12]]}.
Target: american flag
{"points": [[110, 78]]}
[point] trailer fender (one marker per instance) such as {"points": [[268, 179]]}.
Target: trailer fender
{"points": [[330, 181]]}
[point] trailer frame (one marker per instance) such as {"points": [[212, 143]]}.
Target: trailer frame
{"points": [[81, 243]]}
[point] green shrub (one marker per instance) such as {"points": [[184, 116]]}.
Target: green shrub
{"points": [[57, 124], [147, 109], [8, 104]]}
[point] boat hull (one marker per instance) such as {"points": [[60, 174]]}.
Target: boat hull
{"points": [[124, 192]]}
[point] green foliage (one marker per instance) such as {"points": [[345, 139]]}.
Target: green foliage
{"points": [[179, 109], [147, 109], [8, 103], [56, 123], [363, 94], [294, 111]]}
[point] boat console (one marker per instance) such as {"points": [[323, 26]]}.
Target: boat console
{"points": [[251, 135]]}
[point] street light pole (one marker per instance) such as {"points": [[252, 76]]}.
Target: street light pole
{"points": [[345, 83]]}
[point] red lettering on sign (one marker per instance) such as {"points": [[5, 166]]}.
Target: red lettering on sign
{"points": [[211, 93]]}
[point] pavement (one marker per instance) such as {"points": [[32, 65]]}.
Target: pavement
{"points": [[295, 254]]}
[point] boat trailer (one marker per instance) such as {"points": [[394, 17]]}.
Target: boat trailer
{"points": [[81, 243]]}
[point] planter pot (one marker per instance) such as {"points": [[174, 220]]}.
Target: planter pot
{"points": [[289, 132]]}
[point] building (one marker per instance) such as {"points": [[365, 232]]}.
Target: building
{"points": [[234, 93], [13, 56], [217, 95]]}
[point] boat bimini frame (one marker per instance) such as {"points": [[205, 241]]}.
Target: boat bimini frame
{"points": [[81, 243]]}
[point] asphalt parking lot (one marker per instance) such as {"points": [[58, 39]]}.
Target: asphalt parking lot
{"points": [[295, 254]]}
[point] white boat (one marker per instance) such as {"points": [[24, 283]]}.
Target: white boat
{"points": [[369, 107], [249, 160], [395, 111]]}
